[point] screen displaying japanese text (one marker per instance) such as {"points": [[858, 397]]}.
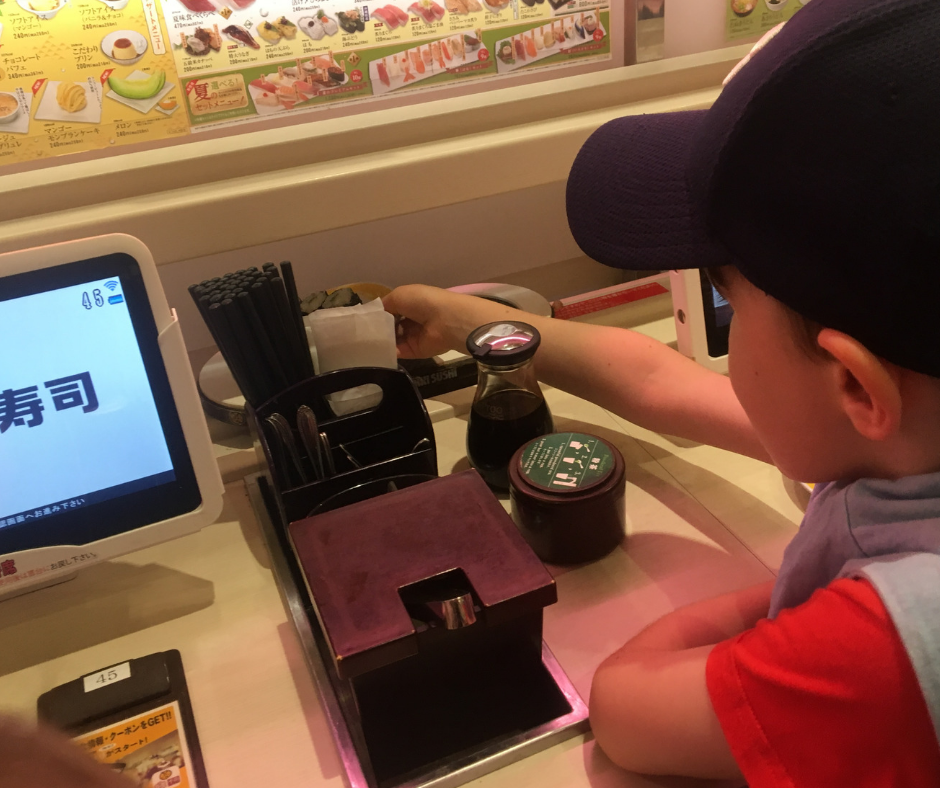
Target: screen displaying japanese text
{"points": [[78, 422]]}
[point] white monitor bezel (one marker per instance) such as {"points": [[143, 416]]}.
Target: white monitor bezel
{"points": [[31, 568], [691, 324]]}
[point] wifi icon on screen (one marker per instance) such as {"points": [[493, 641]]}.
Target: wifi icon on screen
{"points": [[111, 285]]}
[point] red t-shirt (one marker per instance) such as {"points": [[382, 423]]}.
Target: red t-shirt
{"points": [[824, 696]]}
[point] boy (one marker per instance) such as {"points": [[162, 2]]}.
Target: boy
{"points": [[811, 189]]}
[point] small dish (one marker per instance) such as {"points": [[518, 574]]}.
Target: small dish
{"points": [[9, 107], [115, 5], [742, 7], [509, 295], [775, 5], [49, 108], [142, 105], [137, 41], [367, 291], [24, 4]]}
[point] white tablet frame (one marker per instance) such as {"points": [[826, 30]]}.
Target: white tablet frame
{"points": [[689, 313], [37, 567]]}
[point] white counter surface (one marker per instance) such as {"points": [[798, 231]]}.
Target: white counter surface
{"points": [[700, 522]]}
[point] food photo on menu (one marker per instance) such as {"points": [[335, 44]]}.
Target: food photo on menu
{"points": [[70, 102], [745, 7], [286, 87], [44, 9], [215, 6], [233, 25], [201, 41], [14, 111], [124, 47], [498, 6], [240, 35], [135, 88], [391, 16], [249, 26], [423, 61], [318, 26], [429, 11], [281, 29], [463, 6], [351, 21], [142, 91], [557, 37]]}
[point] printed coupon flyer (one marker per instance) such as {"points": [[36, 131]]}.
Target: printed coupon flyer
{"points": [[150, 748]]}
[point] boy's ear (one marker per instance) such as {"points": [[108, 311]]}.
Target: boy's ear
{"points": [[869, 390]]}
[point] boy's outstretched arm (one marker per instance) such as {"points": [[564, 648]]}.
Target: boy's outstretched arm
{"points": [[650, 709], [634, 376]]}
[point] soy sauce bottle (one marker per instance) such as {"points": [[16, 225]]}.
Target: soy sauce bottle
{"points": [[508, 408]]}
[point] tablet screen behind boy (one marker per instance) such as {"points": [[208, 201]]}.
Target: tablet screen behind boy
{"points": [[703, 319]]}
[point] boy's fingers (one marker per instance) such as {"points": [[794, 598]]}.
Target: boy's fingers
{"points": [[403, 302], [409, 339]]}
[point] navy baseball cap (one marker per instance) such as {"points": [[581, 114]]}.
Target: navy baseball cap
{"points": [[816, 173]]}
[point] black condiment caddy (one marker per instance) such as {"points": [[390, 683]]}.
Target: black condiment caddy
{"points": [[413, 698], [394, 438]]}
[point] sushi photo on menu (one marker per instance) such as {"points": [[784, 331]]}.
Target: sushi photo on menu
{"points": [[240, 35], [571, 35], [199, 42], [410, 66], [223, 7], [285, 87], [391, 16], [203, 33], [318, 25]]}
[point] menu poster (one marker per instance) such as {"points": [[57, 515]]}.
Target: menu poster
{"points": [[396, 50], [78, 75], [748, 18]]}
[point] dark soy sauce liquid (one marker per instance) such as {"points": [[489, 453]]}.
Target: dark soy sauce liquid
{"points": [[499, 424]]}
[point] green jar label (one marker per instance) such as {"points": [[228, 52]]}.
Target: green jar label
{"points": [[566, 461]]}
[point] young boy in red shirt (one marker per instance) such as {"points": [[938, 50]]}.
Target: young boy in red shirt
{"points": [[811, 190]]}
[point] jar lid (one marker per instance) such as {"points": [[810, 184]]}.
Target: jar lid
{"points": [[504, 343], [566, 462]]}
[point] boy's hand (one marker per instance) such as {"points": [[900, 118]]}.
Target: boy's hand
{"points": [[43, 758], [434, 320]]}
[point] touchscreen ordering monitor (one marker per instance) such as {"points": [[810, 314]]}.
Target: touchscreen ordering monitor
{"points": [[703, 319], [104, 446]]}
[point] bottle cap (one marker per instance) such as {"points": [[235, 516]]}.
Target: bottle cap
{"points": [[504, 343]]}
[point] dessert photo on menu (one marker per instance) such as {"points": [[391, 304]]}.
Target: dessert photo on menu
{"points": [[70, 102]]}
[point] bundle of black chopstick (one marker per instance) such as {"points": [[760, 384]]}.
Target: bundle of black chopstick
{"points": [[256, 322]]}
